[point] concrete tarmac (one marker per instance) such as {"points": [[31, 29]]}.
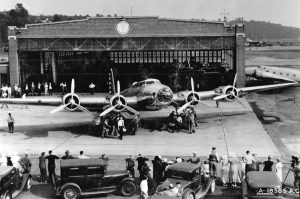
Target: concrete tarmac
{"points": [[231, 128]]}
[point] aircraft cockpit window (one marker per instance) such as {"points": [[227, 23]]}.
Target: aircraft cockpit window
{"points": [[135, 84], [287, 74], [294, 75], [267, 70], [141, 83], [280, 73], [274, 72], [149, 82]]}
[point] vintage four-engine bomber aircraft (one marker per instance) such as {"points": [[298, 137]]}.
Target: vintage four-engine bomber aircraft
{"points": [[149, 94]]}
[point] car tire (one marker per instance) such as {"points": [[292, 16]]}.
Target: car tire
{"points": [[7, 196], [28, 184], [189, 194], [70, 192], [127, 188], [213, 186]]}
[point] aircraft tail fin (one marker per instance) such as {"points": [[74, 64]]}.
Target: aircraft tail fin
{"points": [[112, 87]]}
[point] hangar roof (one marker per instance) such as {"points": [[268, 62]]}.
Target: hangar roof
{"points": [[106, 27]]}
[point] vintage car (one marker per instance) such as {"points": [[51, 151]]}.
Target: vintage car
{"points": [[83, 177], [261, 184], [12, 183], [193, 184]]}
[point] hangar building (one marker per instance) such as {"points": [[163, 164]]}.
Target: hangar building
{"points": [[135, 47]]}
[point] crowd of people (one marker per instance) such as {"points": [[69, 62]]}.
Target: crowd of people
{"points": [[151, 176], [8, 91], [186, 120], [113, 125], [35, 89]]}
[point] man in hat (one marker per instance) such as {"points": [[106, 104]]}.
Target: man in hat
{"points": [[26, 162], [268, 164], [213, 159], [51, 166], [194, 159], [130, 165], [67, 155], [141, 161], [105, 158]]}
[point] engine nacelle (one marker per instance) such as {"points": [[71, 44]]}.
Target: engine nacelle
{"points": [[193, 95], [232, 91], [164, 96], [115, 99], [68, 98]]}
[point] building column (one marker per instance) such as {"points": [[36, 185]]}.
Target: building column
{"points": [[54, 73], [41, 63], [240, 59], [14, 67]]}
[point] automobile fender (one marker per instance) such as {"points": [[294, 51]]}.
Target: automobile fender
{"points": [[67, 184], [4, 194], [125, 179]]}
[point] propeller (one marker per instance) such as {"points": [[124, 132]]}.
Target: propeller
{"points": [[60, 108], [71, 102], [193, 100], [231, 93], [119, 103], [108, 110]]}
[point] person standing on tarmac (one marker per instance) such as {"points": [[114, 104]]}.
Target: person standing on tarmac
{"points": [[67, 155], [51, 167], [213, 162], [130, 165], [92, 88], [42, 166], [10, 123], [121, 127]]}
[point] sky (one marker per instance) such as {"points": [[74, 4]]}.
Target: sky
{"points": [[285, 12]]}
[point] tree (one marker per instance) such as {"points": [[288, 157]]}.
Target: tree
{"points": [[18, 16]]}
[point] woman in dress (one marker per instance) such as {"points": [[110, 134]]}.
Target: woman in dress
{"points": [[224, 170], [233, 169], [278, 169]]}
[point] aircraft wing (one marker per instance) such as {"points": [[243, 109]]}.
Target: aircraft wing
{"points": [[181, 96], [84, 100], [32, 101], [259, 73], [266, 87]]}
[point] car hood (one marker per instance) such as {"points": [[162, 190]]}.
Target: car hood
{"points": [[262, 179], [173, 181]]}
